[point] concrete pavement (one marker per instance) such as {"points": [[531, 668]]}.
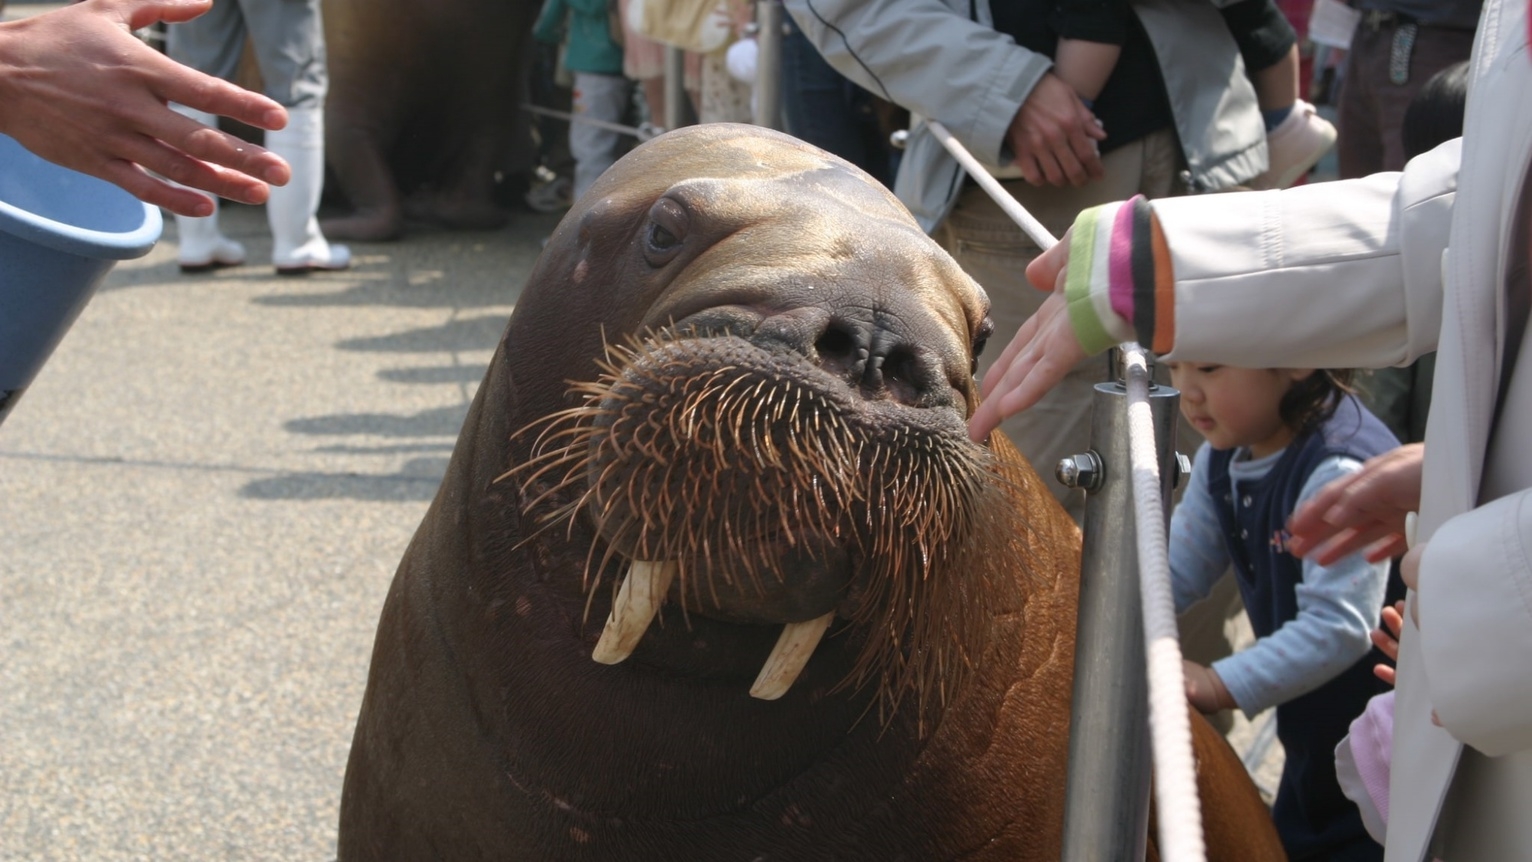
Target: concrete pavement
{"points": [[203, 497]]}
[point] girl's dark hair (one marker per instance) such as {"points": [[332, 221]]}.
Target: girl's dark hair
{"points": [[1435, 115], [1312, 400]]}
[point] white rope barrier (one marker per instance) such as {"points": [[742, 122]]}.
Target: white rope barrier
{"points": [[1175, 777], [1018, 213], [643, 133], [1170, 732]]}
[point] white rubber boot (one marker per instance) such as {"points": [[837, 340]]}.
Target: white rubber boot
{"points": [[297, 246], [202, 246]]}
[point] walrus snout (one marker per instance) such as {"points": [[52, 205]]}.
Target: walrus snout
{"points": [[865, 350], [754, 485], [868, 352]]}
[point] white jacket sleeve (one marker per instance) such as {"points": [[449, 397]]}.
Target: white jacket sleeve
{"points": [[930, 58], [1330, 275], [1476, 624]]}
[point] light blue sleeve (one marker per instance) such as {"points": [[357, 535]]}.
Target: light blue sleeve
{"points": [[1338, 607], [1198, 555]]}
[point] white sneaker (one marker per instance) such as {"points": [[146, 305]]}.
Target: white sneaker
{"points": [[209, 254], [1294, 147], [314, 257]]}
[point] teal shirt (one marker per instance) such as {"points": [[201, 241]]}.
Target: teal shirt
{"points": [[589, 34]]}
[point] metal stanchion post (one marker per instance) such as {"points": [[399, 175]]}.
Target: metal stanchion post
{"points": [[768, 69], [675, 87], [1106, 807]]}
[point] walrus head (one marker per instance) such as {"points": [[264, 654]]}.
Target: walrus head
{"points": [[773, 432]]}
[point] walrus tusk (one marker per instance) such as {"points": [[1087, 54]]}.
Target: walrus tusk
{"points": [[788, 657], [638, 600]]}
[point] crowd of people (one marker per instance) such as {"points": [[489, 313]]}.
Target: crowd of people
{"points": [[1169, 170]]}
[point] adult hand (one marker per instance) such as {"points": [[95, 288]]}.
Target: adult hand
{"points": [[1364, 511], [79, 89], [1043, 351], [1054, 136]]}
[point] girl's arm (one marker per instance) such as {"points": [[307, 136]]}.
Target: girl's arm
{"points": [[1338, 607], [1198, 557]]}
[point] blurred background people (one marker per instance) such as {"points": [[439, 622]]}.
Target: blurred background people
{"points": [[288, 41]]}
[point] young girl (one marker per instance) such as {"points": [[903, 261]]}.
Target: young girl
{"points": [[1274, 438]]}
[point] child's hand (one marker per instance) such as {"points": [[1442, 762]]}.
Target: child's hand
{"points": [[1386, 639], [1205, 689]]}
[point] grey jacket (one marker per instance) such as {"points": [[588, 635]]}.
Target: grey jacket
{"points": [[931, 57]]}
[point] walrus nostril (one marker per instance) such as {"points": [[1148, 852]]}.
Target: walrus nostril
{"points": [[840, 352], [901, 375]]}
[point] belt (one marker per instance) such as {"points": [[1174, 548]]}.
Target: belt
{"points": [[1377, 19]]}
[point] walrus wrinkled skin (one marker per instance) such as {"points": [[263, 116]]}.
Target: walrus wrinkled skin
{"points": [[738, 377], [423, 110]]}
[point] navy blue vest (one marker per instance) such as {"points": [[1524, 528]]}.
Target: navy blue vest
{"points": [[1313, 817]]}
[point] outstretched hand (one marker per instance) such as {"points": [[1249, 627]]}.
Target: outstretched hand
{"points": [[79, 89], [1364, 511], [1054, 135], [1043, 351]]}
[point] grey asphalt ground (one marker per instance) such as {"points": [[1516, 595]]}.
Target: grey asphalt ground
{"points": [[203, 497]]}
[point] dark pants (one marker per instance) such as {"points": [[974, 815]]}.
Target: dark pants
{"points": [[1371, 107], [826, 109]]}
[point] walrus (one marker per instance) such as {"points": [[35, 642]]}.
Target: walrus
{"points": [[715, 572]]}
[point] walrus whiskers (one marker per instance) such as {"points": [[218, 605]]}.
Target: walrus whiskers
{"points": [[678, 445]]}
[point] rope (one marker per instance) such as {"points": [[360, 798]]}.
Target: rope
{"points": [[1175, 774], [1018, 213], [643, 133]]}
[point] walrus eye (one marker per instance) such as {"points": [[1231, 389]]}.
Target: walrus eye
{"points": [[668, 223], [986, 329]]}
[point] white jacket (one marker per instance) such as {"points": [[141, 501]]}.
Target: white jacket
{"points": [[929, 56], [1375, 272]]}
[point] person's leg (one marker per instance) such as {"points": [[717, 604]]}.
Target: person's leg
{"points": [[1361, 114], [601, 97], [1268, 44], [1435, 48], [817, 104], [211, 43], [288, 39], [1276, 86], [1296, 136]]}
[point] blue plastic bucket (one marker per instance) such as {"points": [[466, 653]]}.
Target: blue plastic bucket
{"points": [[60, 233]]}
